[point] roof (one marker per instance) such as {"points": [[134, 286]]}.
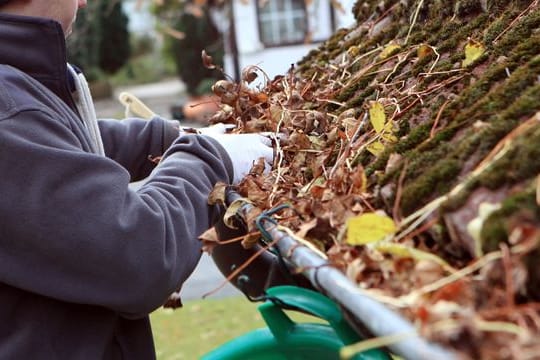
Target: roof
{"points": [[425, 116]]}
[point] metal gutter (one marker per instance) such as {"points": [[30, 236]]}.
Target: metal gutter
{"points": [[378, 319]]}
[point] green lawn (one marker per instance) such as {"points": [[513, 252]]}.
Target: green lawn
{"points": [[202, 325]]}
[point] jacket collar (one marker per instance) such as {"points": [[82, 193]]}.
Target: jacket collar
{"points": [[37, 47]]}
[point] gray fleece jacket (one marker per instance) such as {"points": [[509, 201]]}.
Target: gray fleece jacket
{"points": [[84, 259]]}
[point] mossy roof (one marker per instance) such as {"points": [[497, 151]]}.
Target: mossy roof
{"points": [[454, 159]]}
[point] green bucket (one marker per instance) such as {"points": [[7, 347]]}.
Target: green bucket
{"points": [[285, 339]]}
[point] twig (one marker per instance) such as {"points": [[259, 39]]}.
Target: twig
{"points": [[241, 268], [238, 238], [367, 204], [502, 146], [436, 60], [394, 69], [436, 122], [507, 264], [533, 4], [347, 352], [280, 157], [428, 225], [399, 190], [415, 17], [507, 311], [408, 107], [331, 102], [538, 190], [440, 72], [347, 150], [477, 265], [358, 58]]}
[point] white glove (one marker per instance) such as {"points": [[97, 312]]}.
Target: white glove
{"points": [[218, 128], [244, 150]]}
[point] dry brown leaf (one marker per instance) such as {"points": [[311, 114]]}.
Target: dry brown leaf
{"points": [[218, 194], [306, 227], [249, 74], [210, 240], [207, 60]]}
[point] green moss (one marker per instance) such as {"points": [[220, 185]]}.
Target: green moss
{"points": [[445, 39], [497, 27], [335, 41], [320, 55], [347, 92], [498, 6], [368, 93], [523, 53], [460, 30], [500, 96], [496, 227], [465, 8], [480, 144], [363, 158], [419, 161], [439, 10], [427, 186], [457, 201], [420, 65], [525, 105], [359, 100], [380, 161], [521, 162], [415, 137], [398, 69], [404, 128], [511, 100], [363, 10], [522, 30], [305, 64], [507, 170], [481, 87]]}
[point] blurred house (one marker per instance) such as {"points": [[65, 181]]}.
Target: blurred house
{"points": [[141, 20], [274, 34]]}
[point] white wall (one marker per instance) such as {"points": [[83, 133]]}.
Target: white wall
{"points": [[273, 61], [277, 60], [346, 18], [140, 20]]}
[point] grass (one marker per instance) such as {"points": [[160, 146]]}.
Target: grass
{"points": [[203, 325]]}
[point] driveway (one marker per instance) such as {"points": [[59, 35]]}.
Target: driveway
{"points": [[159, 97]]}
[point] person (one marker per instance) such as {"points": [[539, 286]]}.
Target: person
{"points": [[84, 258]]}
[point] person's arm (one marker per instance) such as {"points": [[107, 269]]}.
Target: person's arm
{"points": [[71, 229], [133, 143]]}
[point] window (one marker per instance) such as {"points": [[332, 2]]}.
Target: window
{"points": [[282, 22]]}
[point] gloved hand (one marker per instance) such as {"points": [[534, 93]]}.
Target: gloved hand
{"points": [[218, 128], [244, 150]]}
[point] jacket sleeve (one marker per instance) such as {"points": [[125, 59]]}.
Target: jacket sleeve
{"points": [[71, 229], [134, 142]]}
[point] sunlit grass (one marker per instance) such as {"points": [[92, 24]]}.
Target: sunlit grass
{"points": [[201, 326]]}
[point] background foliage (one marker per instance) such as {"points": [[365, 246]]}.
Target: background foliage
{"points": [[100, 42]]}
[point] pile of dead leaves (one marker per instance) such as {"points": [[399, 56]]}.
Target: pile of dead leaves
{"points": [[408, 151]]}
